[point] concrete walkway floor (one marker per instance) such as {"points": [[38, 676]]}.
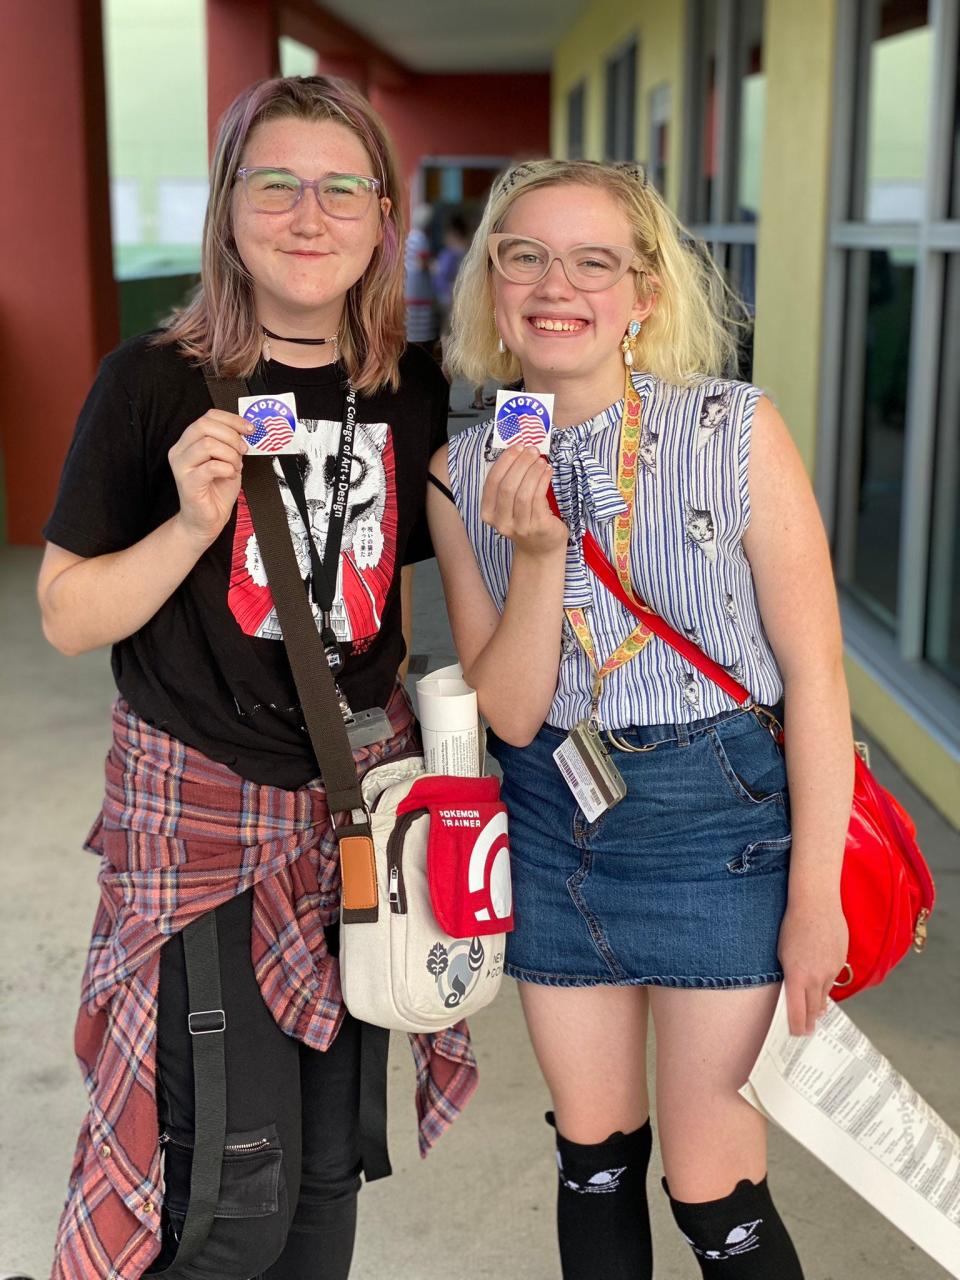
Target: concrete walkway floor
{"points": [[481, 1207]]}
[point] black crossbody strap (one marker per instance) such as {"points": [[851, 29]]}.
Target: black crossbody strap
{"points": [[311, 671], [328, 735], [206, 1023]]}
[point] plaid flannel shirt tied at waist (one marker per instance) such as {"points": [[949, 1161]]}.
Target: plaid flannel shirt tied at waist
{"points": [[178, 836]]}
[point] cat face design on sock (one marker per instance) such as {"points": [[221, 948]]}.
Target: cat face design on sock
{"points": [[600, 1184], [742, 1239]]}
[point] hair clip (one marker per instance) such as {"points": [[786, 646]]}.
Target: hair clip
{"points": [[631, 170], [511, 177]]}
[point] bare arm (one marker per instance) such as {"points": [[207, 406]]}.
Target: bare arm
{"points": [[88, 602], [790, 560], [510, 659]]}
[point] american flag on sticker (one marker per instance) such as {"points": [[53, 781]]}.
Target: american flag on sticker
{"points": [[275, 422], [271, 433], [523, 419]]}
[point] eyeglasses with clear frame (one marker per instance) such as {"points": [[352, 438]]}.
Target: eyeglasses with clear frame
{"points": [[590, 267], [339, 195]]}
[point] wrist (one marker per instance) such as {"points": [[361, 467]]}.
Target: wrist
{"points": [[194, 540], [819, 893]]}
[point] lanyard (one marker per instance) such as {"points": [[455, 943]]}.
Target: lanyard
{"points": [[637, 640], [324, 570]]}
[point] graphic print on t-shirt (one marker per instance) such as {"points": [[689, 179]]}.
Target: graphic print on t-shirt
{"points": [[369, 547]]}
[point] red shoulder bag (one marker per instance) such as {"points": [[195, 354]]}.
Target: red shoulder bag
{"points": [[886, 888]]}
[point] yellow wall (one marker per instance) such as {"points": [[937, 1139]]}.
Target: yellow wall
{"points": [[599, 32], [798, 54], [931, 768]]}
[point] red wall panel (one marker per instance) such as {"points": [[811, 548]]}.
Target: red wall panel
{"points": [[58, 303], [467, 115]]}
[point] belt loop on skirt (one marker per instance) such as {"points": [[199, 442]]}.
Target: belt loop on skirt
{"points": [[683, 735]]}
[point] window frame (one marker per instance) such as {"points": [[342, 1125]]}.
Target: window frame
{"points": [[625, 54], [896, 659], [578, 92], [717, 229]]}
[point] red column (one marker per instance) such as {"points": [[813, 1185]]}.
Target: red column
{"points": [[241, 48], [58, 301], [356, 70]]}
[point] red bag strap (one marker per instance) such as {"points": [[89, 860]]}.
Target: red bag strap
{"points": [[603, 570]]}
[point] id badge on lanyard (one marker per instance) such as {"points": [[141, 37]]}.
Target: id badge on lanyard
{"points": [[371, 724], [582, 758]]}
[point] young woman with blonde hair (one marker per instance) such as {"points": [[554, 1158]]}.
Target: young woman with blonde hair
{"points": [[233, 1100], [716, 878]]}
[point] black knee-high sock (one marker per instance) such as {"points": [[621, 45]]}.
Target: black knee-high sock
{"points": [[603, 1222], [741, 1236]]}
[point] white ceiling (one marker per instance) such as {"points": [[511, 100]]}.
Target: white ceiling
{"points": [[462, 35]]}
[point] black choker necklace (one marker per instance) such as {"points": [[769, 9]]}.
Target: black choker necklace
{"points": [[305, 342]]}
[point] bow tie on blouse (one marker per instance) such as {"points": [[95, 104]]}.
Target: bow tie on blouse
{"points": [[585, 491]]}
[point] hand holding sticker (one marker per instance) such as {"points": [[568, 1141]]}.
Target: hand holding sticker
{"points": [[275, 420], [523, 417]]}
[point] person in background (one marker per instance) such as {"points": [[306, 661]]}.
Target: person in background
{"points": [[716, 878], [215, 823], [445, 268], [419, 295]]}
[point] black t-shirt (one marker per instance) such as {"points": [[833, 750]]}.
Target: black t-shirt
{"points": [[210, 667]]}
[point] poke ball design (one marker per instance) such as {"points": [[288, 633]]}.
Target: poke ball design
{"points": [[488, 876]]}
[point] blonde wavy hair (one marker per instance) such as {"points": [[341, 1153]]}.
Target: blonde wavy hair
{"points": [[690, 334], [219, 325]]}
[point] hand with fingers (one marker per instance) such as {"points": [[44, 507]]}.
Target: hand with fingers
{"points": [[515, 503], [813, 950], [207, 463]]}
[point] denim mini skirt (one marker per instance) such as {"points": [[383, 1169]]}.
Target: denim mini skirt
{"points": [[681, 884]]}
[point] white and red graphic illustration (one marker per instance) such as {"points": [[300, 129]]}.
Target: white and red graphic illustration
{"points": [[468, 853], [369, 547]]}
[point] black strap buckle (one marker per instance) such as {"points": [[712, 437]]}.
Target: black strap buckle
{"points": [[207, 1022]]}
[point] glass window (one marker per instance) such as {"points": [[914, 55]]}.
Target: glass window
{"points": [[955, 137], [706, 33], [871, 496], [659, 136], [751, 109], [898, 112], [943, 609], [620, 139], [297, 59], [155, 52], [731, 97], [575, 113]]}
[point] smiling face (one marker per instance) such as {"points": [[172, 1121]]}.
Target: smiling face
{"points": [[303, 262], [556, 331]]}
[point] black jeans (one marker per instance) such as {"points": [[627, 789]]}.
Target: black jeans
{"points": [[290, 1176]]}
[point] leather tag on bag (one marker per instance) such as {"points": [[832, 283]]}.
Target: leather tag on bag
{"points": [[358, 873]]}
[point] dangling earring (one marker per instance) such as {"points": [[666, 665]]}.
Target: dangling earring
{"points": [[500, 344], [629, 343]]}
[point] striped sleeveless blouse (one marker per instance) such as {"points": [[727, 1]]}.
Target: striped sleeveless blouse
{"points": [[687, 558]]}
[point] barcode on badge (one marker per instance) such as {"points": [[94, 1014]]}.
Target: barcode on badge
{"points": [[577, 778]]}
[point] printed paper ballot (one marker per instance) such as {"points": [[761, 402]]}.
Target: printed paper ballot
{"points": [[275, 418], [841, 1098], [523, 418], [448, 721]]}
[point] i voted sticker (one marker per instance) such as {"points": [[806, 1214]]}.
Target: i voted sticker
{"points": [[275, 419], [524, 418]]}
